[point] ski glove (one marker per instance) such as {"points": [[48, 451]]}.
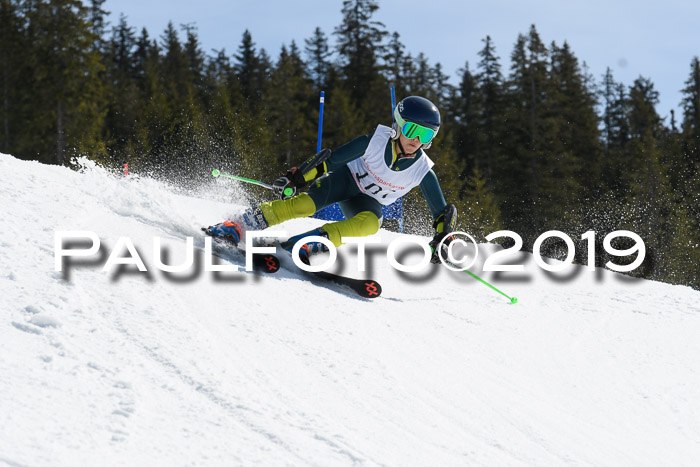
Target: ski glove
{"points": [[435, 244], [287, 186], [444, 224]]}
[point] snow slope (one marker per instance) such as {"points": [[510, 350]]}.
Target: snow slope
{"points": [[239, 369]]}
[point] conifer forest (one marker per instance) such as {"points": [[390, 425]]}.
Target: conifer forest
{"points": [[543, 145]]}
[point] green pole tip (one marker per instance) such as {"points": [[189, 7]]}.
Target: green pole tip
{"points": [[288, 192], [215, 173], [513, 300]]}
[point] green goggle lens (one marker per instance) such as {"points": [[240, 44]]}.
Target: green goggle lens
{"points": [[411, 130]]}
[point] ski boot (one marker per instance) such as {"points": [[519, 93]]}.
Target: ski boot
{"points": [[308, 249], [228, 231], [233, 230]]}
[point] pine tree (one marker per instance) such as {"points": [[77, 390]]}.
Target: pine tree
{"points": [[441, 91], [318, 55], [343, 121], [615, 133], [520, 174], [264, 73], [121, 52], [174, 67], [97, 23], [615, 125], [536, 85], [422, 81], [195, 59], [181, 121], [691, 107], [643, 117], [467, 124], [684, 216], [149, 139], [649, 200], [575, 149], [12, 44], [288, 109], [690, 164], [684, 250], [448, 167], [408, 71], [490, 108], [394, 60], [146, 58], [481, 211], [253, 72], [247, 66], [69, 94], [123, 108], [360, 46]]}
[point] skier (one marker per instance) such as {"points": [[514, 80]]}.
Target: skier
{"points": [[362, 175]]}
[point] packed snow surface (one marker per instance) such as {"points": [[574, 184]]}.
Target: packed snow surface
{"points": [[123, 367]]}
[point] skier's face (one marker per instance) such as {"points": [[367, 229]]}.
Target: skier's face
{"points": [[410, 145]]}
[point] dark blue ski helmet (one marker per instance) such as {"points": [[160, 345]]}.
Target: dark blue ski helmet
{"points": [[421, 112]]}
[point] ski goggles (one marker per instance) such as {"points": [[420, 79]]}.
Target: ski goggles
{"points": [[411, 130]]}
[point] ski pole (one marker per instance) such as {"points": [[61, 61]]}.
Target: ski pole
{"points": [[320, 123], [218, 173], [513, 300]]}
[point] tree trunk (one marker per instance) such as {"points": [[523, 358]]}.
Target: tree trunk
{"points": [[59, 136], [5, 103], [60, 85]]}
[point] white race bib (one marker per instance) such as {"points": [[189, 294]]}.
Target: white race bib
{"points": [[375, 179]]}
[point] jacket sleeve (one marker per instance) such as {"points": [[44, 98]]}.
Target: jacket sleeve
{"points": [[348, 152], [341, 156], [430, 187]]}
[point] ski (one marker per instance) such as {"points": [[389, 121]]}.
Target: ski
{"points": [[269, 263], [262, 262], [365, 288]]}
